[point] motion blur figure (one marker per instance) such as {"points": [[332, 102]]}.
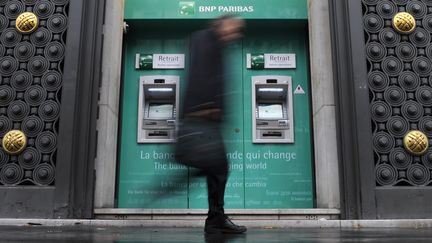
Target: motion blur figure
{"points": [[199, 139]]}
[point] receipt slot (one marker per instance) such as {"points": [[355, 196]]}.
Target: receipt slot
{"points": [[157, 108], [272, 109]]}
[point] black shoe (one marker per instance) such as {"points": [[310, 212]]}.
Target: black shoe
{"points": [[222, 225]]}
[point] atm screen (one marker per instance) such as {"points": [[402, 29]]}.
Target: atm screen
{"points": [[160, 111], [270, 111]]}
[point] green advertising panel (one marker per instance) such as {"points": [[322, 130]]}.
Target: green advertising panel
{"points": [[146, 170], [279, 175], [148, 175], [205, 9], [262, 175]]}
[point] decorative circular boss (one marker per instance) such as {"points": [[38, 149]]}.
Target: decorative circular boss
{"points": [[14, 142], [404, 23], [27, 22], [416, 142]]}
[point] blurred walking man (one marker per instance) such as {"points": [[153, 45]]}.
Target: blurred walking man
{"points": [[199, 141]]}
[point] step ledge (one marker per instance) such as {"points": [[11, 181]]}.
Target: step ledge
{"points": [[120, 211], [267, 224]]}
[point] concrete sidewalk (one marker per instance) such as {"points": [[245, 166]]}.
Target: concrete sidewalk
{"points": [[194, 235]]}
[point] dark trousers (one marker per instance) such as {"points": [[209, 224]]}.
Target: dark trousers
{"points": [[200, 145]]}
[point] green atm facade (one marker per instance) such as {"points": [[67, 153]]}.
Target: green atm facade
{"points": [[267, 173]]}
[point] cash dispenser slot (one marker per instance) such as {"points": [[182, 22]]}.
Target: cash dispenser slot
{"points": [[150, 123], [272, 134], [158, 134], [272, 109], [158, 109]]}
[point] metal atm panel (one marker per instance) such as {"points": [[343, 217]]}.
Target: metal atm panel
{"points": [[157, 109], [273, 120]]}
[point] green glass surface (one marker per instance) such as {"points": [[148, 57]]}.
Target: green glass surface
{"points": [[261, 175], [279, 175], [146, 170]]}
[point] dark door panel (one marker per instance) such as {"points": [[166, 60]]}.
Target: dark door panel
{"points": [[50, 77]]}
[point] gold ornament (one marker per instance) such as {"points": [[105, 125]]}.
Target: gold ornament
{"points": [[14, 142], [27, 22], [404, 23], [416, 142]]}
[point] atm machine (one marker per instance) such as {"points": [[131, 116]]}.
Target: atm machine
{"points": [[272, 105], [158, 109]]}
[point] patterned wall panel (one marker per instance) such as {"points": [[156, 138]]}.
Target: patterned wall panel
{"points": [[31, 69], [400, 85]]}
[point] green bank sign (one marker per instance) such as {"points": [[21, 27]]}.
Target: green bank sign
{"points": [[206, 9]]}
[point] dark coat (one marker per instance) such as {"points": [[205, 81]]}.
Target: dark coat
{"points": [[199, 140], [205, 88]]}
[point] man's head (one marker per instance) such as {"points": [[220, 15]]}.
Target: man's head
{"points": [[229, 28]]}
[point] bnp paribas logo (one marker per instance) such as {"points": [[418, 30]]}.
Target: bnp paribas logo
{"points": [[187, 8]]}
